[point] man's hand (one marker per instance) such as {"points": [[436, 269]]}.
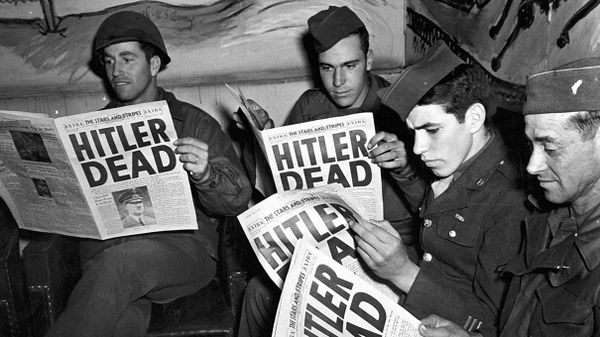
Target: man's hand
{"points": [[260, 117], [381, 247], [194, 156], [387, 151], [436, 326]]}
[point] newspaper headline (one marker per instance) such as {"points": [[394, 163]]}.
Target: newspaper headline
{"points": [[319, 215], [322, 298], [100, 174]]}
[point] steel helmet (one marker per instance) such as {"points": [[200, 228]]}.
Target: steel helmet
{"points": [[130, 26]]}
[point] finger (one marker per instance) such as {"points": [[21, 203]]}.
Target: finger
{"points": [[432, 320], [260, 115], [381, 136], [384, 156], [395, 148], [378, 231], [371, 257], [387, 227], [377, 243], [189, 141], [237, 118]]}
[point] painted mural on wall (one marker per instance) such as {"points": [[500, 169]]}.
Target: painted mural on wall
{"points": [[45, 45], [511, 38]]}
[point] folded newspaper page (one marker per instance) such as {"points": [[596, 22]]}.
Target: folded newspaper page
{"points": [[322, 298], [98, 175], [322, 152], [320, 215]]}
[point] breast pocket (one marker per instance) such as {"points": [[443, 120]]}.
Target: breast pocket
{"points": [[457, 229], [563, 313]]}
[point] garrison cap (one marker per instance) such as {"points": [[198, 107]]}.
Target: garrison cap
{"points": [[133, 195], [331, 25], [572, 87], [130, 26], [417, 79]]}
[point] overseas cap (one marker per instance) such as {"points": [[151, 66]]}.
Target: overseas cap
{"points": [[329, 26], [572, 87], [130, 26], [417, 79], [133, 195]]}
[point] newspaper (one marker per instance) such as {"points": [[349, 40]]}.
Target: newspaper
{"points": [[322, 298], [320, 215], [322, 152], [100, 175]]}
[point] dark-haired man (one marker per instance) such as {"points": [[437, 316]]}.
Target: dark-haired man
{"points": [[472, 211], [341, 40], [122, 277], [555, 290]]}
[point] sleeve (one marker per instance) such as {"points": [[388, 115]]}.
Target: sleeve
{"points": [[296, 115], [412, 186], [227, 190], [434, 292]]}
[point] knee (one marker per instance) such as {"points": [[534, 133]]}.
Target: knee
{"points": [[108, 264], [260, 294]]}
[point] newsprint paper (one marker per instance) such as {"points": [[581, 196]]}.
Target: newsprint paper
{"points": [[319, 215], [98, 175], [318, 153], [322, 298]]}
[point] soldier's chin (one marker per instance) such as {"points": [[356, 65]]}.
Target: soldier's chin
{"points": [[554, 197], [343, 102]]}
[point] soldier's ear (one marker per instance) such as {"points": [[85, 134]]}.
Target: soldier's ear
{"points": [[155, 63], [475, 117], [369, 59]]}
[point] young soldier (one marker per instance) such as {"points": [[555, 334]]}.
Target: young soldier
{"points": [[122, 277], [341, 41], [556, 284], [473, 209]]}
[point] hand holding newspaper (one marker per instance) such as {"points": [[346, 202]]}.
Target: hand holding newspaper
{"points": [[322, 152], [99, 175], [322, 298], [320, 215]]}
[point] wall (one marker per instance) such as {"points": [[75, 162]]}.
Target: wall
{"points": [[45, 48], [511, 39]]}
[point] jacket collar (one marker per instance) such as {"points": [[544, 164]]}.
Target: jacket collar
{"points": [[372, 101], [577, 252]]}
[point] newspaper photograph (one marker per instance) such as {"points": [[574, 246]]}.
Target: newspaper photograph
{"points": [[99, 175], [322, 298], [320, 215], [322, 152]]}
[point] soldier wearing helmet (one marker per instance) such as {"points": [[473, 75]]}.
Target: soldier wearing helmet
{"points": [[122, 277]]}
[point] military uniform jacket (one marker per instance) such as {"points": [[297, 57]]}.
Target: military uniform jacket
{"points": [[225, 193], [314, 104], [467, 232], [556, 291]]}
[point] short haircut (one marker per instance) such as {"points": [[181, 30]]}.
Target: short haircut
{"points": [[466, 85], [363, 35], [586, 123]]}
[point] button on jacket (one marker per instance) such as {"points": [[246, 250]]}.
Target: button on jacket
{"points": [[467, 232]]}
